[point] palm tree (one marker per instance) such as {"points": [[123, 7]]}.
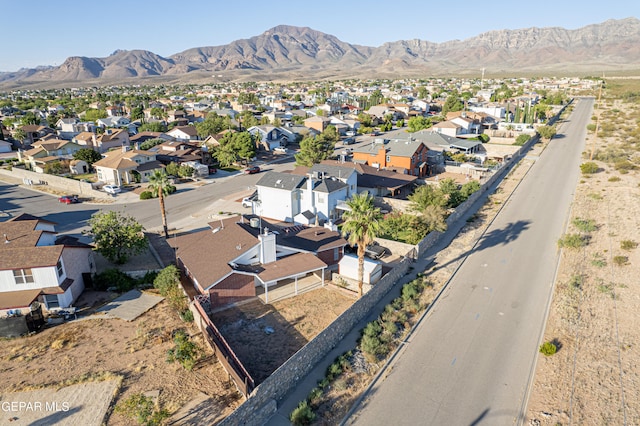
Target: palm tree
{"points": [[361, 225], [159, 181]]}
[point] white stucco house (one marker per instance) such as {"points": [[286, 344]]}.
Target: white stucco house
{"points": [[36, 265]]}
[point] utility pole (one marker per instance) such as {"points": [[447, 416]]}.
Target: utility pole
{"points": [[595, 135]]}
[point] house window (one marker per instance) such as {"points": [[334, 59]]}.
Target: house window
{"points": [[320, 199], [51, 301], [59, 268], [23, 276], [388, 158], [336, 253]]}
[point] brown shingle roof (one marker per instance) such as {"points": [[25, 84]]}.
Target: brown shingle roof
{"points": [[289, 266], [18, 299]]}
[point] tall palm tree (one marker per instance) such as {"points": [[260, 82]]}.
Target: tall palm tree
{"points": [[361, 225], [159, 182]]}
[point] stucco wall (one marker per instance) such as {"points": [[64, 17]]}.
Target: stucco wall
{"points": [[70, 186]]}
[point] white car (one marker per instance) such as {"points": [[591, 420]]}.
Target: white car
{"points": [[280, 150], [247, 202], [111, 189]]}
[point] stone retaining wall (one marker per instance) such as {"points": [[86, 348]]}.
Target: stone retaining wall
{"points": [[262, 403]]}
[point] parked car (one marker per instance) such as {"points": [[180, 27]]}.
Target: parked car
{"points": [[251, 170], [346, 151], [348, 141], [112, 189], [213, 170], [280, 150], [69, 199], [375, 251], [247, 201]]}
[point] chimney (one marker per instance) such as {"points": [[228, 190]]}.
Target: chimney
{"points": [[267, 246], [125, 148]]}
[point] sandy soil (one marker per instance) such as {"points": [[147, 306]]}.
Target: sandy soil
{"points": [[594, 379], [265, 336], [136, 351]]}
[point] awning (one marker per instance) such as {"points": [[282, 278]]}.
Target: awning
{"points": [[18, 299]]}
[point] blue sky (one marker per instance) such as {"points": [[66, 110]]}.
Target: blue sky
{"points": [[47, 32]]}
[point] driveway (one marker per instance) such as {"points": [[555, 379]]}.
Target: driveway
{"points": [[130, 305]]}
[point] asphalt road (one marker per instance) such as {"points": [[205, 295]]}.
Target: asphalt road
{"points": [[471, 360], [189, 200]]}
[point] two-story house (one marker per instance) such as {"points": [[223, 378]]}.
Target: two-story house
{"points": [[405, 155], [47, 152], [35, 265], [271, 137], [184, 133], [120, 167]]}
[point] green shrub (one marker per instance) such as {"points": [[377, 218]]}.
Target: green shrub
{"points": [[572, 241], [585, 225], [598, 261], [620, 260], [628, 245], [522, 139], [146, 195], [187, 316], [614, 179], [548, 348], [576, 281], [113, 278], [142, 409], [302, 414], [588, 168], [185, 351], [624, 166]]}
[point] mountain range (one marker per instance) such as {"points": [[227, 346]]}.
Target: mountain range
{"points": [[302, 54]]}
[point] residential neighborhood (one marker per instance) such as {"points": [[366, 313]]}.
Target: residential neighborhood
{"points": [[256, 199]]}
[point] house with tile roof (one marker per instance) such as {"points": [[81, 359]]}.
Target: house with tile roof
{"points": [[184, 133], [125, 166], [271, 137], [227, 262], [36, 265], [48, 151], [110, 139]]}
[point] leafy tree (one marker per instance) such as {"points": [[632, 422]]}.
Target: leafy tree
{"points": [[159, 183], [116, 236], [30, 118], [313, 150], [419, 123], [426, 195], [522, 139], [469, 188], [88, 155], [277, 122], [213, 124], [54, 168], [433, 218], [248, 98], [150, 143], [154, 126], [137, 113], [95, 114], [185, 171], [400, 123], [168, 283], [158, 113], [547, 132], [365, 119], [247, 119], [452, 104], [451, 190], [362, 223]]}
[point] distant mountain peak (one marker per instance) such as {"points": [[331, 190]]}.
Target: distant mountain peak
{"points": [[287, 52]]}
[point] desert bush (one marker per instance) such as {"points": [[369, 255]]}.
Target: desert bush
{"points": [[620, 260], [598, 261], [624, 166], [302, 414], [628, 244], [576, 281], [185, 351], [142, 409], [187, 316], [585, 225], [146, 195], [168, 284], [548, 348], [522, 139], [588, 168], [572, 241], [614, 179]]}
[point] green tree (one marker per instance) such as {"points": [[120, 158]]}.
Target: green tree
{"points": [[137, 113], [158, 113], [547, 132], [365, 119], [247, 119], [159, 183], [418, 123], [452, 104], [313, 150], [116, 236], [93, 114], [54, 168], [88, 155], [426, 195], [19, 135], [30, 118], [150, 143], [362, 223], [154, 126]]}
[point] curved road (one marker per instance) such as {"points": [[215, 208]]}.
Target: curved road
{"points": [[472, 359]]}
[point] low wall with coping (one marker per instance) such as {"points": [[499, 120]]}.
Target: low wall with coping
{"points": [[262, 403], [63, 184]]}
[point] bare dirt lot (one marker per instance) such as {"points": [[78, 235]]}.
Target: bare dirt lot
{"points": [[136, 351], [265, 336], [594, 378]]}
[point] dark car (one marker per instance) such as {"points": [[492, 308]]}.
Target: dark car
{"points": [[69, 199], [213, 170], [373, 251], [251, 170]]}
